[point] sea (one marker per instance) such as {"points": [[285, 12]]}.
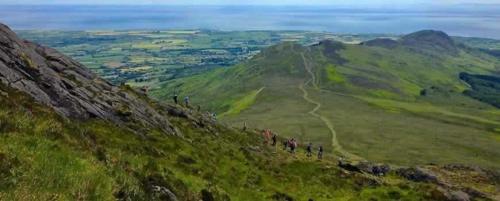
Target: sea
{"points": [[462, 20]]}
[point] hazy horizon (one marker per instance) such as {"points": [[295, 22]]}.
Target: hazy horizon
{"points": [[461, 20]]}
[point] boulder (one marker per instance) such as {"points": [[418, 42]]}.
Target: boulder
{"points": [[164, 193], [459, 196]]}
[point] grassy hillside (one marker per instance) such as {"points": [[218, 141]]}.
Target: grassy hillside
{"points": [[45, 157], [388, 101]]}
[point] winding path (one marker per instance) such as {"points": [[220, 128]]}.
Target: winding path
{"points": [[335, 143]]}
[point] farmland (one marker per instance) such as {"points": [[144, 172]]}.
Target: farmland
{"points": [[148, 58]]}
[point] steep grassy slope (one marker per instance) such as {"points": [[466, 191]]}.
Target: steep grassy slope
{"points": [[45, 157], [403, 94]]}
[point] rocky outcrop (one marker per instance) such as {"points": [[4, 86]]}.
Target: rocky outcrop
{"points": [[365, 167], [453, 182], [197, 119], [417, 174], [72, 90]]}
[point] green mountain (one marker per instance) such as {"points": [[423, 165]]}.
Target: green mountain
{"points": [[396, 101]]}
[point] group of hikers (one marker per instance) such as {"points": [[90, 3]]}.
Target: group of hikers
{"points": [[269, 136], [290, 143], [186, 100]]}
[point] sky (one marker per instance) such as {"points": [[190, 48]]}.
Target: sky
{"points": [[257, 2]]}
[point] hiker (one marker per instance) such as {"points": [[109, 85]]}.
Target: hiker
{"points": [[293, 145], [265, 134], [176, 101], [198, 108], [309, 150], [274, 139], [320, 152], [145, 90], [186, 101], [285, 144], [268, 135], [244, 126]]}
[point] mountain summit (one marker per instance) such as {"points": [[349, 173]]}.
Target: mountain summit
{"points": [[431, 40], [425, 40]]}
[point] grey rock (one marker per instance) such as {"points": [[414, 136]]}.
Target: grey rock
{"points": [[417, 174], [4, 94], [441, 193], [374, 169], [459, 196], [346, 165], [68, 87], [177, 112], [164, 193]]}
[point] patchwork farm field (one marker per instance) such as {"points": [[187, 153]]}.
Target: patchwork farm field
{"points": [[150, 57]]}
